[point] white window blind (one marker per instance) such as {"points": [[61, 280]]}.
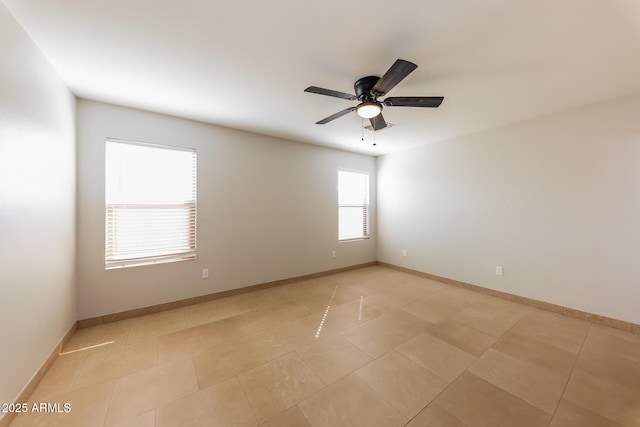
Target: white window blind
{"points": [[150, 203], [353, 205]]}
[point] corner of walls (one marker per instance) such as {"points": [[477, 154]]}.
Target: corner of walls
{"points": [[37, 209]]}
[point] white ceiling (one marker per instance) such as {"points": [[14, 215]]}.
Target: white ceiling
{"points": [[245, 64]]}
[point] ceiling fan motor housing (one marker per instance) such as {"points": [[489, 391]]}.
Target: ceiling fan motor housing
{"points": [[363, 87]]}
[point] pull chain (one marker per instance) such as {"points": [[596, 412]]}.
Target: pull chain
{"points": [[362, 134]]}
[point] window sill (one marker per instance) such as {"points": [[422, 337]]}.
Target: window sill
{"points": [[355, 239], [125, 264]]}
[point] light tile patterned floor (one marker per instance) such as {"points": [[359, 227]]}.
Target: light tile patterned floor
{"points": [[369, 347]]}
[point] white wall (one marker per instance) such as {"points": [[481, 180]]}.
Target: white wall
{"points": [[37, 209], [267, 210], [554, 200]]}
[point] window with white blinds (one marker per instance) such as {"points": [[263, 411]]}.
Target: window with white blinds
{"points": [[150, 203], [353, 205]]}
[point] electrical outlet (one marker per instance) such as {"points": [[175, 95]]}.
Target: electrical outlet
{"points": [[499, 271], [333, 254], [404, 252], [205, 273]]}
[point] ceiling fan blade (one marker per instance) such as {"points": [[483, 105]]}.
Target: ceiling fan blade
{"points": [[394, 75], [414, 101], [336, 115], [329, 92], [378, 122]]}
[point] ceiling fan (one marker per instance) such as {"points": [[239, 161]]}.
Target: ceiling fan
{"points": [[369, 88]]}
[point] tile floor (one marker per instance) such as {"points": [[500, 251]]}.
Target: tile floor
{"points": [[369, 347]]}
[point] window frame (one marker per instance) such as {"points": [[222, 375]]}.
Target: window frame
{"points": [[188, 209], [366, 206]]}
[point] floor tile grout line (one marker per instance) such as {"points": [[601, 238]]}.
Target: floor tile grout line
{"points": [[433, 403], [113, 390], [296, 351], [244, 393], [195, 370], [573, 367], [424, 367], [321, 380], [431, 372], [302, 412], [126, 338], [376, 392], [381, 396], [438, 395]]}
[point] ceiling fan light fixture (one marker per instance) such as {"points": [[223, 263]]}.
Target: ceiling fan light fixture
{"points": [[369, 109]]}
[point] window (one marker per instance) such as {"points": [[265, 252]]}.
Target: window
{"points": [[150, 195], [353, 205]]}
